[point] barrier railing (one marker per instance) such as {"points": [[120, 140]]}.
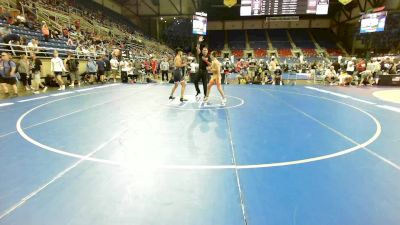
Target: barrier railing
{"points": [[47, 52]]}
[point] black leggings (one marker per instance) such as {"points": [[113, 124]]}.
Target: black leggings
{"points": [[26, 79], [203, 75], [164, 73]]}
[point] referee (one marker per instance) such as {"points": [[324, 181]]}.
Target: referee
{"points": [[204, 62]]}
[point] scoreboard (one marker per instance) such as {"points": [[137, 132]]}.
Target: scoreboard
{"points": [[283, 7]]}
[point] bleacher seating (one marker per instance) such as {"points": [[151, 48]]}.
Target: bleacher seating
{"points": [[260, 53], [285, 52], [301, 38], [309, 51], [334, 51], [216, 39], [324, 37], [237, 39], [107, 13], [237, 53], [30, 34], [279, 39], [257, 39]]}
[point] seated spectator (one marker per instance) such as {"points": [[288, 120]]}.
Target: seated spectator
{"points": [[65, 32], [70, 42], [20, 19], [330, 75], [366, 77], [345, 79], [33, 46], [278, 76], [350, 66], [11, 38], [45, 31]]}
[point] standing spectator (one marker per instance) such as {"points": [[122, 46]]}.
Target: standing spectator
{"points": [[114, 68], [36, 74], [107, 67], [131, 69], [7, 74], [164, 67], [252, 71], [278, 76], [57, 67], [272, 68], [154, 68], [124, 70], [101, 67], [91, 69], [147, 66], [72, 65], [45, 31], [24, 71]]}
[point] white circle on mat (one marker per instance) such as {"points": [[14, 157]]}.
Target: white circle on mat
{"points": [[377, 133]]}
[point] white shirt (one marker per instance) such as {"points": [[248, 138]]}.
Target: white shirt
{"points": [[57, 65], [164, 66], [130, 70], [350, 66], [193, 67], [114, 64], [124, 66], [330, 73]]}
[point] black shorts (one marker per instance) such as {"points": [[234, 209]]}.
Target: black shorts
{"points": [[178, 75], [8, 80], [100, 72], [57, 73]]}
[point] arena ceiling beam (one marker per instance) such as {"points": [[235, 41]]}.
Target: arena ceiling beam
{"points": [[179, 11], [161, 8], [151, 8]]}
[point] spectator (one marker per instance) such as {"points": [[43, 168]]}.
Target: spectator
{"points": [[91, 69], [114, 68], [57, 67], [101, 67], [330, 75], [11, 38], [350, 67], [72, 65], [131, 69], [154, 68], [345, 79], [107, 67], [24, 71], [7, 74], [36, 74], [33, 46], [45, 31], [278, 76], [164, 67], [70, 42], [124, 70]]}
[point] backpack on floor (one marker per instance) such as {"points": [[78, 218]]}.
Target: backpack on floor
{"points": [[50, 81]]}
